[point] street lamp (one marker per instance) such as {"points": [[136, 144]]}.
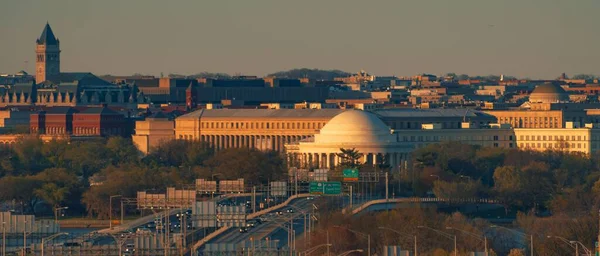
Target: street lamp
{"points": [[110, 210], [444, 234], [402, 234], [351, 251], [484, 239], [56, 213], [47, 239], [309, 250], [519, 233], [368, 236], [3, 238], [573, 244]]}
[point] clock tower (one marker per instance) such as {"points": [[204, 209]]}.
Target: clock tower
{"points": [[47, 64]]}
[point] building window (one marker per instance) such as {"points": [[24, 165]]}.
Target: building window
{"points": [[495, 137], [495, 145]]}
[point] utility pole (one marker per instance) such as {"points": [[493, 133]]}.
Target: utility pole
{"points": [[25, 239], [415, 245], [387, 192], [328, 242], [350, 197], [3, 238], [253, 199]]}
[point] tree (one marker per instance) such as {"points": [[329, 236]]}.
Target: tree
{"points": [[316, 74], [350, 157], [584, 77], [508, 184], [121, 150], [457, 190], [52, 194], [253, 165], [20, 189]]}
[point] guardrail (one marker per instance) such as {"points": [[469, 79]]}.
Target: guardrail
{"points": [[363, 206], [79, 223]]}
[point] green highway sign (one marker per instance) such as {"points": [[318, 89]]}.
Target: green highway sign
{"points": [[325, 188], [350, 174]]}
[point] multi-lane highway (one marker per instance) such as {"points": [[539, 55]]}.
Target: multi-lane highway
{"points": [[271, 223]]}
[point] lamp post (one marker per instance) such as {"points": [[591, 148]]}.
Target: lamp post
{"points": [[480, 238], [444, 234], [368, 236], [351, 251], [573, 244], [56, 209], [309, 250], [587, 251], [402, 234], [3, 238], [110, 210], [46, 239], [519, 233]]}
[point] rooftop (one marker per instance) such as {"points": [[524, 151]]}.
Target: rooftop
{"points": [[264, 113]]}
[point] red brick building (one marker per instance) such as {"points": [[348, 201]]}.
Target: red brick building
{"points": [[98, 121], [54, 121]]}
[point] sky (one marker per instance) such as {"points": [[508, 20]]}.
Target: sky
{"points": [[523, 38]]}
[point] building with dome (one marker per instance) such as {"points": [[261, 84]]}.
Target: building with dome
{"points": [[548, 93], [352, 129]]}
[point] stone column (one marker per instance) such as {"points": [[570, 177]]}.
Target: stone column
{"points": [[375, 158]]}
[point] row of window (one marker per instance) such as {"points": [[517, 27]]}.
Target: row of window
{"points": [[262, 125], [418, 125], [41, 57], [540, 145], [436, 138], [549, 137]]}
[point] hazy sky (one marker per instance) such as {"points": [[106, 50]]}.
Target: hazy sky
{"points": [[524, 38]]}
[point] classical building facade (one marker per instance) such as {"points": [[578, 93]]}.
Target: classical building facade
{"points": [[264, 129], [153, 131], [353, 129]]}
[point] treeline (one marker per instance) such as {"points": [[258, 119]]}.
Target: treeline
{"points": [[543, 182], [84, 174], [316, 74], [411, 222]]}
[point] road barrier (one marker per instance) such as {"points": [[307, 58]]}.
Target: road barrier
{"points": [[355, 210]]}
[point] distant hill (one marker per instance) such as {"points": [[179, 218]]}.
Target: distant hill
{"points": [[316, 74]]}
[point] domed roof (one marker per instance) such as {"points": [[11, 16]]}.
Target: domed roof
{"points": [[355, 127], [548, 88], [548, 93]]}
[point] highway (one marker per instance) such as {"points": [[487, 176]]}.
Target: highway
{"points": [[272, 225]]}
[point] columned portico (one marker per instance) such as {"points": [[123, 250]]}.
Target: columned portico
{"points": [[353, 129]]}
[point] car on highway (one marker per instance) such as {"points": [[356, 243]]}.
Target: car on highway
{"points": [[310, 198], [279, 213], [71, 244], [151, 225], [244, 230], [126, 232], [289, 210], [130, 248], [263, 219], [143, 230]]}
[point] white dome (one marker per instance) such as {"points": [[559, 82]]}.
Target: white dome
{"points": [[355, 127]]}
